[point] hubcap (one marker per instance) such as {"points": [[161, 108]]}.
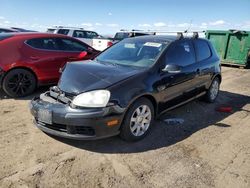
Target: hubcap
{"points": [[19, 83], [140, 120], [214, 90]]}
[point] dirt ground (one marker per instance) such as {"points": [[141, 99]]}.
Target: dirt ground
{"points": [[210, 149]]}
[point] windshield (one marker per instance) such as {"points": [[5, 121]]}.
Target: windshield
{"points": [[139, 52]]}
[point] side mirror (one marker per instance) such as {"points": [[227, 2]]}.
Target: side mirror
{"points": [[170, 68]]}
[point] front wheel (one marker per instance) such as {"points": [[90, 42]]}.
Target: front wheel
{"points": [[19, 83], [137, 121], [213, 91]]}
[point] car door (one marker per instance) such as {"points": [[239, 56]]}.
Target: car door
{"points": [[178, 86], [45, 55], [206, 65]]}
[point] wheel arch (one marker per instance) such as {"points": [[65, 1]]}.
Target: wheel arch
{"points": [[21, 67], [218, 76], [147, 96]]}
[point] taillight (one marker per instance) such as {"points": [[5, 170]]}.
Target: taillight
{"points": [[110, 44]]}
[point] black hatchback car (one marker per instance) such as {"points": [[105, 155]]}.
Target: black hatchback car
{"points": [[127, 86]]}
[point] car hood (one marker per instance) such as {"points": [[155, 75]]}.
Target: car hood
{"points": [[82, 76]]}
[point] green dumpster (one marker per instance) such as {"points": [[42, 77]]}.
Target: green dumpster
{"points": [[232, 46]]}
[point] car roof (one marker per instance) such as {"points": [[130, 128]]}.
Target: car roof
{"points": [[9, 29], [169, 38], [37, 34], [32, 33]]}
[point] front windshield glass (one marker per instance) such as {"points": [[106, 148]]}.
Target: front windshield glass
{"points": [[139, 52]]}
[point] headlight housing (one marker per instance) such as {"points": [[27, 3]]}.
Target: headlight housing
{"points": [[97, 98]]}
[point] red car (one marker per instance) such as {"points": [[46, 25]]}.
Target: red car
{"points": [[28, 60]]}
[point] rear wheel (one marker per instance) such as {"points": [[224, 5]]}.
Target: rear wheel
{"points": [[137, 121], [19, 83], [213, 91]]}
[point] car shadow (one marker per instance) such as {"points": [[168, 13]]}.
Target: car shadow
{"points": [[197, 115], [37, 92]]}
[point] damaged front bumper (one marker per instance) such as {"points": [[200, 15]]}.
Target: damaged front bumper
{"points": [[60, 119]]}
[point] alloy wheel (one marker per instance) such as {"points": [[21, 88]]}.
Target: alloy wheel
{"points": [[140, 120]]}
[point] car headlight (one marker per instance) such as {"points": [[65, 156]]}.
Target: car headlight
{"points": [[97, 98]]}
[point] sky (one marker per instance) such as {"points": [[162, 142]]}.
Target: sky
{"points": [[109, 16]]}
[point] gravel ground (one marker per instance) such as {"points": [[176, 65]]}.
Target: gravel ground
{"points": [[210, 149]]}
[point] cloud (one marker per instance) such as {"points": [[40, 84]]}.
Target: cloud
{"points": [[184, 25], [6, 22], [98, 24], [218, 22], [87, 24], [2, 18], [159, 24], [203, 25], [110, 14], [113, 25], [144, 25], [246, 25]]}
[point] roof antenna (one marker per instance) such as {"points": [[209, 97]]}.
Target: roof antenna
{"points": [[190, 25]]}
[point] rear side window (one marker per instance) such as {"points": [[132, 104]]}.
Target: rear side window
{"points": [[43, 43], [5, 36], [202, 49], [71, 45], [63, 31], [180, 53]]}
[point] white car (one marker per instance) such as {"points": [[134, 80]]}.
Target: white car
{"points": [[89, 37]]}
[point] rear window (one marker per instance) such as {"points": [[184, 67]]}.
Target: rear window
{"points": [[202, 49], [5, 36]]}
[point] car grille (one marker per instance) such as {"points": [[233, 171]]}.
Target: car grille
{"points": [[69, 129]]}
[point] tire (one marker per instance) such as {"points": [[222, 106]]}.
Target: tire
{"points": [[213, 90], [19, 83], [138, 120]]}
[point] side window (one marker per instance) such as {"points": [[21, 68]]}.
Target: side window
{"points": [[71, 45], [79, 34], [202, 49], [91, 35], [43, 43], [63, 31], [180, 53]]}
